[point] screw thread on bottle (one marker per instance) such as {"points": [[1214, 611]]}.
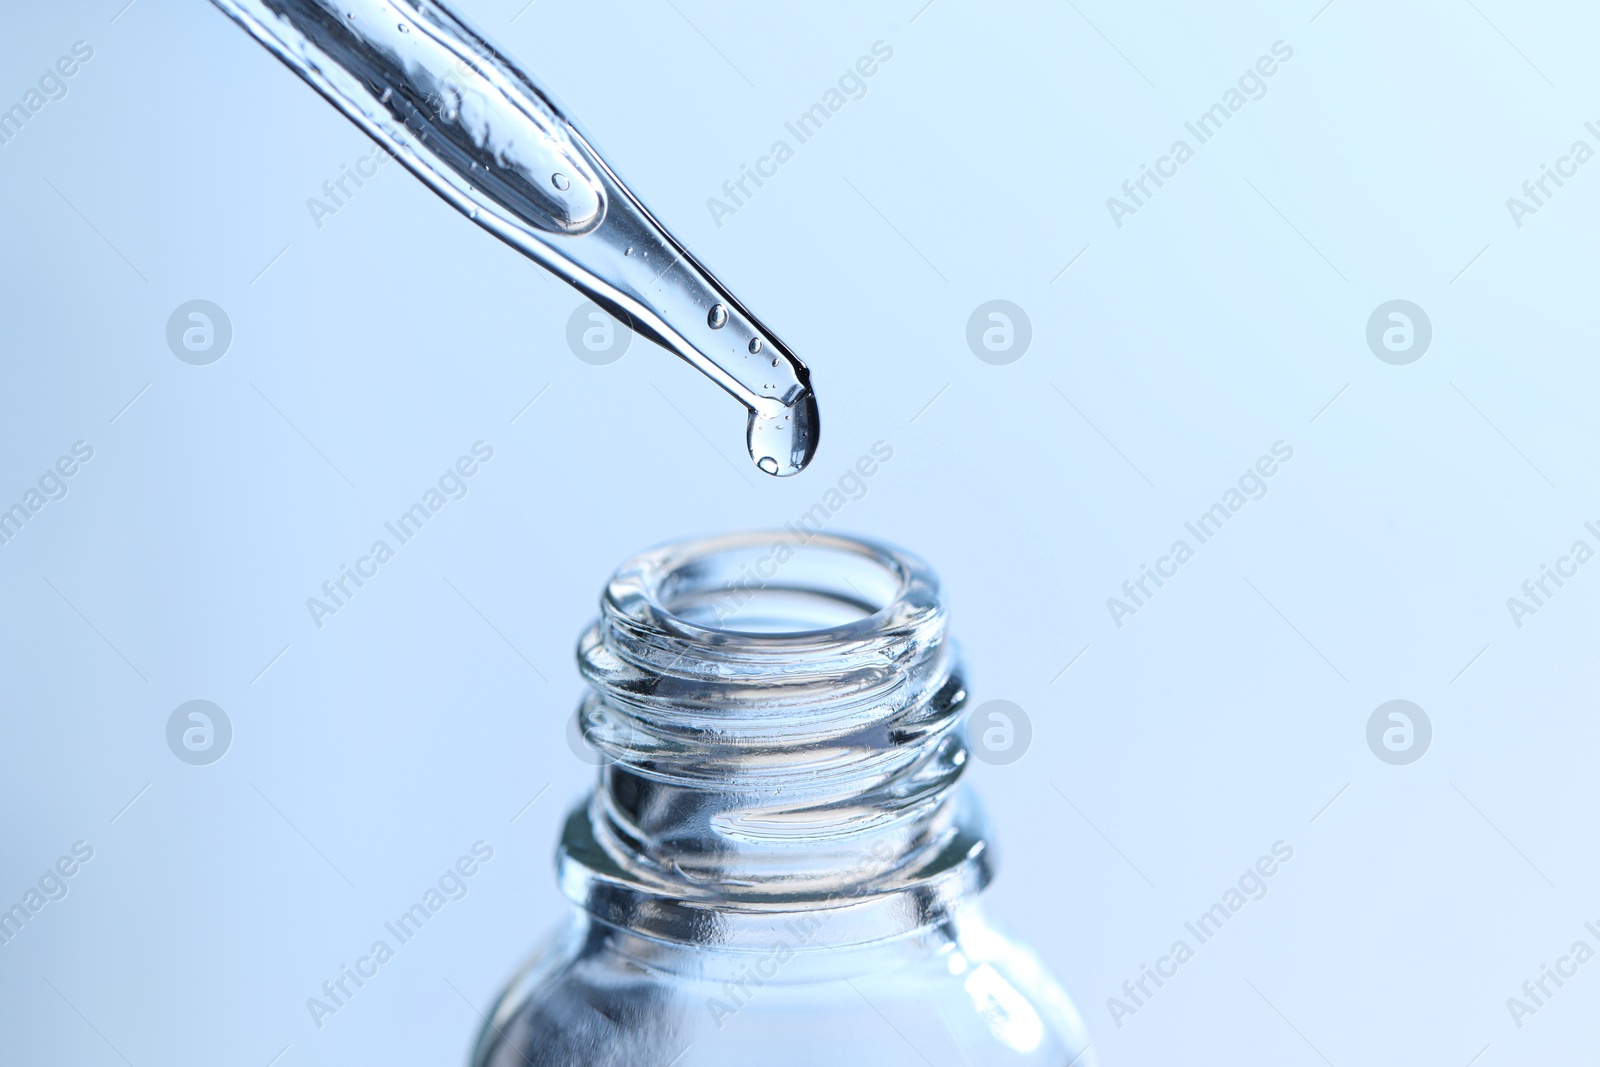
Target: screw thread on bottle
{"points": [[781, 715]]}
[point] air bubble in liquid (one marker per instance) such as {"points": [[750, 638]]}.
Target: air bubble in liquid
{"points": [[718, 318], [560, 181], [755, 346], [768, 464]]}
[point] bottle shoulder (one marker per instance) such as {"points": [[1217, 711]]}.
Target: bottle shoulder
{"points": [[962, 991]]}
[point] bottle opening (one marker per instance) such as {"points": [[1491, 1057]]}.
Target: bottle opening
{"points": [[764, 584], [770, 584]]}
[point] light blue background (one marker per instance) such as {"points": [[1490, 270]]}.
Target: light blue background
{"points": [[1220, 319]]}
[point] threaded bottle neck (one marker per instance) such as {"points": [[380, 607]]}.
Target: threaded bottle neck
{"points": [[781, 720]]}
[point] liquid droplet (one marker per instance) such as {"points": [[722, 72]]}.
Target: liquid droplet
{"points": [[755, 346], [786, 435], [560, 181], [718, 318], [387, 93], [404, 28], [628, 251]]}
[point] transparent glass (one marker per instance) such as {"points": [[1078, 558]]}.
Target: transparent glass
{"points": [[778, 864]]}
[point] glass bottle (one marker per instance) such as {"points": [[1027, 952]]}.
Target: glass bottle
{"points": [[778, 864]]}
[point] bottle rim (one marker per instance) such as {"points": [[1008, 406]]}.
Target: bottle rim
{"points": [[772, 590]]}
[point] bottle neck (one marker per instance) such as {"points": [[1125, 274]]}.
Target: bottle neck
{"points": [[781, 721]]}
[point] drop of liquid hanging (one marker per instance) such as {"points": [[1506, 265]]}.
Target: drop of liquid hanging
{"points": [[717, 319], [560, 181]]}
